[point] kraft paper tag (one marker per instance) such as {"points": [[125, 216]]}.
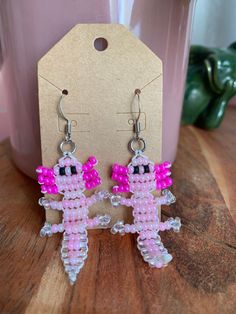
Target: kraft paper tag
{"points": [[101, 87]]}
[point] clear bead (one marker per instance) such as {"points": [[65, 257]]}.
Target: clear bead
{"points": [[175, 224], [102, 195], [46, 230], [115, 200], [170, 198], [118, 227], [72, 277], [104, 220], [44, 202]]}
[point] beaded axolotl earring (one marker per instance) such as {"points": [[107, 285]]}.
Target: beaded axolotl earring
{"points": [[141, 177], [71, 178]]}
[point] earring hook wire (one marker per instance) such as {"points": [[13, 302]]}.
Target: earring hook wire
{"points": [[68, 126]]}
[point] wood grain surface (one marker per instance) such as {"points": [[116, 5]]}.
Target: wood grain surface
{"points": [[201, 278]]}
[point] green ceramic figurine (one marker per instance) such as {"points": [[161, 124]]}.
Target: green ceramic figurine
{"points": [[211, 83]]}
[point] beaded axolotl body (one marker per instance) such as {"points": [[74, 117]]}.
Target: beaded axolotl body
{"points": [[141, 177], [70, 178]]}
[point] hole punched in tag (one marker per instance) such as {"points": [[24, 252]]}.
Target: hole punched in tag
{"points": [[100, 44]]}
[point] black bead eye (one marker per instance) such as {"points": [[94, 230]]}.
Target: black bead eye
{"points": [[62, 171], [146, 169], [136, 169], [73, 170]]}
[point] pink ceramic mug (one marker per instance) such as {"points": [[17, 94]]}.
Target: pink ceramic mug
{"points": [[29, 28]]}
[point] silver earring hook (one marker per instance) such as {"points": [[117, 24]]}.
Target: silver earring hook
{"points": [[137, 127], [67, 141], [68, 121], [140, 142]]}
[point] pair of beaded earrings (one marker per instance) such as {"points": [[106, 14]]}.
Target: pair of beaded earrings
{"points": [[141, 177]]}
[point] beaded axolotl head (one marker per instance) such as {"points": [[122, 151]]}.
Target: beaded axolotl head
{"points": [[69, 176], [141, 175]]}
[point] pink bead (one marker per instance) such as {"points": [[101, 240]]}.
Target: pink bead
{"points": [[133, 229], [52, 181], [44, 171], [157, 168], [94, 173], [89, 202], [120, 178], [69, 229], [77, 245], [151, 168], [115, 189], [82, 185], [92, 184], [71, 245], [43, 189], [135, 162], [163, 185], [96, 221], [49, 190], [121, 188], [169, 181], [123, 201], [125, 170], [46, 181], [114, 176], [97, 181], [60, 228], [54, 229], [126, 189], [88, 185], [143, 235], [73, 260], [158, 264], [131, 169], [86, 176], [39, 169], [75, 228], [50, 172], [167, 164], [115, 167], [93, 160], [78, 167], [68, 171], [126, 180], [127, 228], [141, 169], [90, 223], [61, 162], [168, 225], [72, 237], [66, 203], [85, 168], [41, 179], [161, 226], [53, 205], [162, 167]]}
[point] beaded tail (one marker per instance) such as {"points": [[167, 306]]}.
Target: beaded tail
{"points": [[153, 251], [74, 252]]}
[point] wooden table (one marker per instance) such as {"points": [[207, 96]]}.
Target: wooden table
{"points": [[201, 278]]}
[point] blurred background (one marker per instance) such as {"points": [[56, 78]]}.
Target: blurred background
{"points": [[214, 23], [211, 23]]}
